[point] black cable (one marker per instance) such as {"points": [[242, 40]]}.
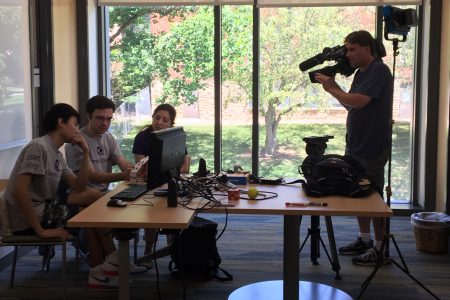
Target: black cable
{"points": [[224, 226]]}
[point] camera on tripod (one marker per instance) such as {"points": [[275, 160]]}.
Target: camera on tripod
{"points": [[316, 145], [338, 54]]}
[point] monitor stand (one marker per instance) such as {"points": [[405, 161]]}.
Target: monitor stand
{"points": [[172, 192]]}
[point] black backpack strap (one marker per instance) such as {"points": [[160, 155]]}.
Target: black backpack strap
{"points": [[227, 277], [302, 181]]}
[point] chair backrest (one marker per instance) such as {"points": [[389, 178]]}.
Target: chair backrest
{"points": [[5, 228]]}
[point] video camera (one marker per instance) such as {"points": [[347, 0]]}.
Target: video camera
{"points": [[398, 21], [338, 54], [316, 145]]}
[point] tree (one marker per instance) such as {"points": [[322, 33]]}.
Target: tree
{"points": [[183, 57], [11, 64], [285, 33], [132, 45]]}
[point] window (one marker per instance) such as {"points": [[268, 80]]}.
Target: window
{"points": [[167, 55], [15, 86]]}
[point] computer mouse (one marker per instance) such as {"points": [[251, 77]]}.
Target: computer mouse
{"points": [[116, 203]]}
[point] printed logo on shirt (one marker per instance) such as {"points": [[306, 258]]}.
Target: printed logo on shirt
{"points": [[100, 150], [32, 161]]}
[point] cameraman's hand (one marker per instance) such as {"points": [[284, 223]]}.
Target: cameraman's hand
{"points": [[328, 83]]}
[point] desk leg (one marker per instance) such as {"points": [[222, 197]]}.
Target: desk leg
{"points": [[291, 261], [124, 282]]}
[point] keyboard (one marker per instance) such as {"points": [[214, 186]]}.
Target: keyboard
{"points": [[132, 192]]}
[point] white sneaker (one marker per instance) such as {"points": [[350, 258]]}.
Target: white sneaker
{"points": [[111, 266], [99, 281], [148, 264]]}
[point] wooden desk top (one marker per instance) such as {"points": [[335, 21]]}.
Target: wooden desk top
{"points": [[138, 214], [371, 206]]}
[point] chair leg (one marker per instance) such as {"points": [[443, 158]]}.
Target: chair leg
{"points": [[64, 279], [136, 241], [48, 257], [77, 260], [13, 267]]}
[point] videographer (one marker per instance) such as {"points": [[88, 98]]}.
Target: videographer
{"points": [[368, 104]]}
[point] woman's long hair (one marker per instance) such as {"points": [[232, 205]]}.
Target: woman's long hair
{"points": [[164, 107]]}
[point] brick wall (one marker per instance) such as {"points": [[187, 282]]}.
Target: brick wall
{"points": [[240, 112]]}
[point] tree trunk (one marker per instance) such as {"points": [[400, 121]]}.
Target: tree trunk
{"points": [[272, 122]]}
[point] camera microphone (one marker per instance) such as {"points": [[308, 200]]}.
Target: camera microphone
{"points": [[311, 62]]}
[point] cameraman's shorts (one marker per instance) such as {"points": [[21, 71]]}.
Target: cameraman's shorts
{"points": [[374, 169]]}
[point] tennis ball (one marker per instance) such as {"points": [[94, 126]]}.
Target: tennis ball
{"points": [[252, 193]]}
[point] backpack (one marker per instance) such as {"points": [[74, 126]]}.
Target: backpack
{"points": [[199, 254], [333, 174]]}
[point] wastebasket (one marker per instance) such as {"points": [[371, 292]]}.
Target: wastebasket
{"points": [[431, 230]]}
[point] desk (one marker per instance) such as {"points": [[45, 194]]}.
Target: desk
{"points": [[133, 216], [289, 288], [161, 216]]}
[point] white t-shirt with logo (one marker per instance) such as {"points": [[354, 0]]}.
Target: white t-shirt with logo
{"points": [[42, 159], [104, 153]]}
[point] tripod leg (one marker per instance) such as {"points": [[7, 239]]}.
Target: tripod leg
{"points": [[332, 242], [306, 238], [399, 253], [406, 270], [304, 242], [315, 235], [366, 282]]}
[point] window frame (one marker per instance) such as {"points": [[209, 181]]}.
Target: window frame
{"points": [[416, 157]]}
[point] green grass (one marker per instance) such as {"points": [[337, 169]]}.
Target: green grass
{"points": [[290, 152]]}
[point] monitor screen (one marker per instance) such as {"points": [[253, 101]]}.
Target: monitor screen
{"points": [[166, 155]]}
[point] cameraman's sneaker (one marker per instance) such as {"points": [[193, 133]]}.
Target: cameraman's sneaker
{"points": [[370, 258], [356, 247], [99, 281]]}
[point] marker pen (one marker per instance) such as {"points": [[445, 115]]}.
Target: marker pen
{"points": [[303, 204]]}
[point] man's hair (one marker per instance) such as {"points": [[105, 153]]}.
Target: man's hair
{"points": [[362, 38], [99, 102], [59, 111]]}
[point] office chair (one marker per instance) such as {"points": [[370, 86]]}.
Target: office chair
{"points": [[7, 239]]}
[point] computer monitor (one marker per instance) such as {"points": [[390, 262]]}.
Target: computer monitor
{"points": [[166, 156]]}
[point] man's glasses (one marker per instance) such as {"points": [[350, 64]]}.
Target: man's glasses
{"points": [[103, 119]]}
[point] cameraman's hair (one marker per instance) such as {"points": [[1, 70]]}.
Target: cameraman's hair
{"points": [[99, 102], [58, 111], [362, 38]]}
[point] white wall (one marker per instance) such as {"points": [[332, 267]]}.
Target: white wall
{"points": [[444, 99], [64, 51]]}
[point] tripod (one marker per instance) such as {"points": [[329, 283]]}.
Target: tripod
{"points": [[314, 234], [388, 236]]}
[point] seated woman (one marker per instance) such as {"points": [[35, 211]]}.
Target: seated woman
{"points": [[163, 117]]}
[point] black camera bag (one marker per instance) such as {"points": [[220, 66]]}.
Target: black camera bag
{"points": [[333, 174], [200, 257]]}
